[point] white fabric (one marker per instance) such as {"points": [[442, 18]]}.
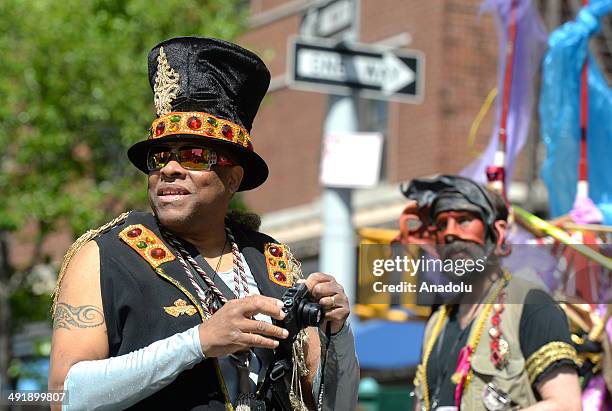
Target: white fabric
{"points": [[228, 370], [119, 382]]}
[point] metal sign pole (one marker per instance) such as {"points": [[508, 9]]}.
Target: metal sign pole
{"points": [[338, 249]]}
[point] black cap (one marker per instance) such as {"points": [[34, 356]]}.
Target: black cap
{"points": [[453, 192], [424, 190]]}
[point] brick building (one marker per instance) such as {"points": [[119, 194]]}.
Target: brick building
{"points": [[460, 50]]}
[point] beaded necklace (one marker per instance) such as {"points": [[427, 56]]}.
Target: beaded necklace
{"points": [[463, 372], [208, 298], [240, 360]]}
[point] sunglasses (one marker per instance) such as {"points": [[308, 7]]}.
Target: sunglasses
{"points": [[189, 157]]}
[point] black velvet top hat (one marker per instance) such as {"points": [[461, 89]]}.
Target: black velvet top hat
{"points": [[206, 90]]}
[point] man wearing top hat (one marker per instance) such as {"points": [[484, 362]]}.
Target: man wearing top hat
{"points": [[181, 309]]}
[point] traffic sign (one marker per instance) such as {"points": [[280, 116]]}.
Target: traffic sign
{"points": [[328, 18], [375, 72]]}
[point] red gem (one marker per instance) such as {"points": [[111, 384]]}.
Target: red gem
{"points": [[194, 123], [495, 345], [227, 132], [158, 253], [280, 276], [134, 232], [275, 251], [495, 320], [159, 130]]}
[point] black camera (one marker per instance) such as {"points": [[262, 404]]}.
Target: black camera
{"points": [[301, 311]]}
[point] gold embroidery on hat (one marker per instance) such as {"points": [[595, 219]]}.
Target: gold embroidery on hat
{"points": [[180, 307], [201, 124], [166, 85]]}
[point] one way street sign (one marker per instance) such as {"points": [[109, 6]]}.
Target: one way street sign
{"points": [[374, 71]]}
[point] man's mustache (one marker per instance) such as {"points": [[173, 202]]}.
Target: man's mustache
{"points": [[462, 246]]}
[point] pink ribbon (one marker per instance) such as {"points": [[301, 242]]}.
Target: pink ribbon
{"points": [[463, 368]]}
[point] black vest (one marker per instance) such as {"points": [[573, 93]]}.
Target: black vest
{"points": [[134, 296]]}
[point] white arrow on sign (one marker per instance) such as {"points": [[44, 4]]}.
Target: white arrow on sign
{"points": [[399, 75], [389, 72]]}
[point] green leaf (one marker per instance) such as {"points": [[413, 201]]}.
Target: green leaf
{"points": [[75, 96]]}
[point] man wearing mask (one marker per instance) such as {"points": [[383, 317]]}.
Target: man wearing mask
{"points": [[505, 345]]}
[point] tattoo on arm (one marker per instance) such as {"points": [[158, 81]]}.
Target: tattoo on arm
{"points": [[83, 316]]}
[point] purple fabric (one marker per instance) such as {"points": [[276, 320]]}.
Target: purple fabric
{"points": [[603, 308], [585, 211], [527, 253], [530, 46], [594, 396], [608, 326]]}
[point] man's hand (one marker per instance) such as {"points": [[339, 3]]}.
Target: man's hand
{"points": [[232, 329], [331, 297]]}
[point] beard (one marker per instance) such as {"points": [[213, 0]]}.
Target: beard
{"points": [[469, 259], [472, 263]]}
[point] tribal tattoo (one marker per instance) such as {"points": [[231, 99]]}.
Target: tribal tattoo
{"points": [[83, 316]]}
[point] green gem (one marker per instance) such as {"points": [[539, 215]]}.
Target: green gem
{"points": [[141, 244], [212, 121], [175, 118], [282, 264]]}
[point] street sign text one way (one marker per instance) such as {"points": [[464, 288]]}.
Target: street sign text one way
{"points": [[375, 72]]}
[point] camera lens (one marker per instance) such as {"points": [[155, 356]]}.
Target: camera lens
{"points": [[310, 314]]}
